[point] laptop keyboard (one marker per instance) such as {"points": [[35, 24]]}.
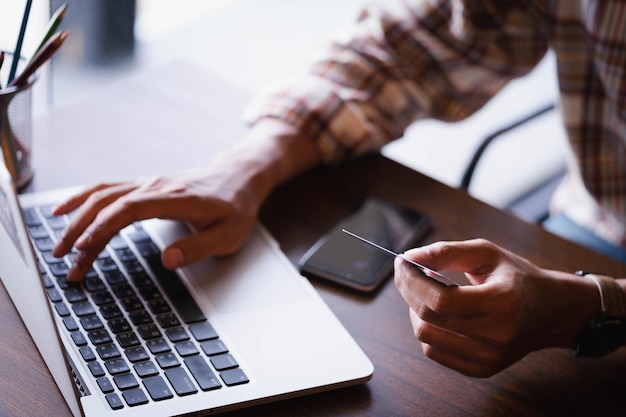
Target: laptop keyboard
{"points": [[134, 323]]}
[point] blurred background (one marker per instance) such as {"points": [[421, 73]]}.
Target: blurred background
{"points": [[250, 43]]}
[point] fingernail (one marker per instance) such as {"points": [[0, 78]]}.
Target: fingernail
{"points": [[56, 208], [172, 258], [59, 249]]}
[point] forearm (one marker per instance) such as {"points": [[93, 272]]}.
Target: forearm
{"points": [[579, 304], [574, 302]]}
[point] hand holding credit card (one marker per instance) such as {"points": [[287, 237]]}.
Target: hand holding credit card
{"points": [[431, 273]]}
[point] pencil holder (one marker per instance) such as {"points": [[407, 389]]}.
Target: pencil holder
{"points": [[16, 131]]}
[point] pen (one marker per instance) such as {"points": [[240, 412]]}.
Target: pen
{"points": [[20, 40], [53, 24], [40, 58]]}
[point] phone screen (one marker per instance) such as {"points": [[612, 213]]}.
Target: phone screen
{"points": [[343, 259]]}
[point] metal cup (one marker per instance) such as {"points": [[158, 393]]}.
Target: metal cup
{"points": [[16, 132]]}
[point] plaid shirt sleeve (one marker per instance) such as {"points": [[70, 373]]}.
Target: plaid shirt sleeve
{"points": [[406, 60], [444, 59], [589, 39]]}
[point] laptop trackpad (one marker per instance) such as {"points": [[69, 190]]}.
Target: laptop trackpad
{"points": [[256, 276]]}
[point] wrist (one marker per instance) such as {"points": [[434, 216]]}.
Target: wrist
{"points": [[280, 151], [270, 154], [575, 302]]}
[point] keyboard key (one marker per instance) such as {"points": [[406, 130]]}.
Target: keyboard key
{"points": [[140, 317], [176, 334], [158, 306], [114, 401], [131, 303], [114, 277], [128, 339], [91, 323], [224, 361], [38, 232], [181, 381], [83, 308], [203, 331], [107, 265], [157, 388], [75, 295], [147, 249], [158, 346], [119, 325], [70, 324], [108, 351], [78, 338], [102, 297], [150, 293], [110, 311], [135, 397], [123, 290], [51, 259], [136, 354], [46, 211], [125, 255], [56, 222], [94, 284], [61, 309], [133, 267], [146, 369], [234, 377], [141, 279], [167, 360], [125, 381], [44, 244], [47, 282], [99, 336], [105, 385], [149, 331], [87, 353], [96, 369], [187, 348], [31, 218], [59, 269], [54, 295], [117, 366], [202, 373], [63, 283], [213, 347], [176, 292], [167, 320]]}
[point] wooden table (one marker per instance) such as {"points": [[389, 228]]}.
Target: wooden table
{"points": [[145, 126]]}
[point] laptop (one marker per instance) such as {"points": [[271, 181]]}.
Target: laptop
{"points": [[136, 339]]}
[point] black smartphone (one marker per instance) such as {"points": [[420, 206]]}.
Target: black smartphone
{"points": [[345, 260]]}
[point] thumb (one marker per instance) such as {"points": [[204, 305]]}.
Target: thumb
{"points": [[477, 257]]}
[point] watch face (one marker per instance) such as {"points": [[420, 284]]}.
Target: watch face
{"points": [[603, 336]]}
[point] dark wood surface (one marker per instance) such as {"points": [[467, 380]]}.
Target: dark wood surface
{"points": [[143, 126]]}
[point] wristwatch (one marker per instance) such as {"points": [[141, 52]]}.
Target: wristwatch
{"points": [[607, 332]]}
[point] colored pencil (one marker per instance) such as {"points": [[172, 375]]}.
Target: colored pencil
{"points": [[40, 58], [20, 40]]}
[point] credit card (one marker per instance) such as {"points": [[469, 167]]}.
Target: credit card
{"points": [[430, 273]]}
